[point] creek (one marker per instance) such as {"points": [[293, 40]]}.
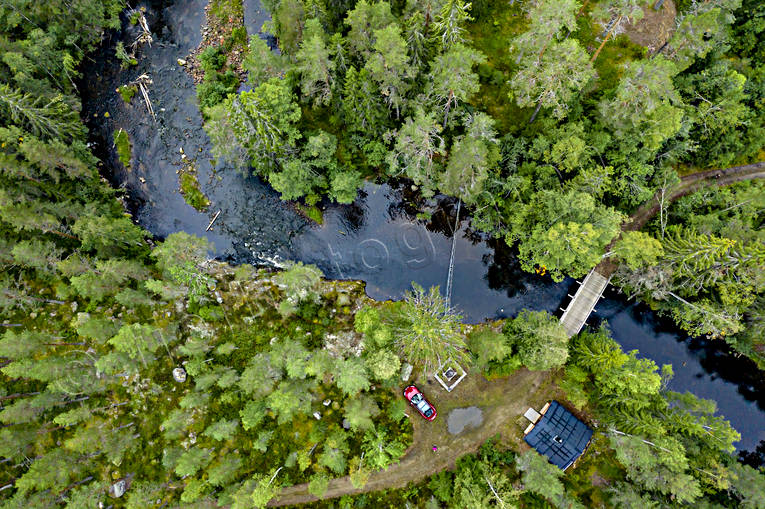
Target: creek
{"points": [[377, 239]]}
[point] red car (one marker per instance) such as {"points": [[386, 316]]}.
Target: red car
{"points": [[418, 401]]}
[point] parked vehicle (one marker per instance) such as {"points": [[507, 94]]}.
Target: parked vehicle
{"points": [[418, 401]]}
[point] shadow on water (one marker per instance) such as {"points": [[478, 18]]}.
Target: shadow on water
{"points": [[378, 239]]}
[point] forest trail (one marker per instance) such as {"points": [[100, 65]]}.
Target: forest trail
{"points": [[687, 185], [502, 401]]}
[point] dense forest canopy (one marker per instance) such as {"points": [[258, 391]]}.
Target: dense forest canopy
{"points": [[551, 142], [551, 137]]}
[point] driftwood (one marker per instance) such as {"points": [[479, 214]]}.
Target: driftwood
{"points": [[213, 220], [141, 82], [145, 36]]}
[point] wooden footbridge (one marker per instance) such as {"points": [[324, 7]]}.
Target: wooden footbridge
{"points": [[583, 303]]}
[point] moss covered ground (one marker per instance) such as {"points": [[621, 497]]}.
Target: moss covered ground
{"points": [[191, 189], [124, 147]]}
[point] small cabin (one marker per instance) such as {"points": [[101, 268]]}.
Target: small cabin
{"points": [[557, 434]]}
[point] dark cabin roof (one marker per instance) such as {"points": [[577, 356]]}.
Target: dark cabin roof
{"points": [[560, 436]]}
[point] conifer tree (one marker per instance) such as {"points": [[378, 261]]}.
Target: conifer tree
{"points": [[418, 144], [388, 66], [452, 80], [553, 80], [450, 22], [315, 66]]}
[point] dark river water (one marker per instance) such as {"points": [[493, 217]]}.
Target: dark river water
{"points": [[377, 239]]}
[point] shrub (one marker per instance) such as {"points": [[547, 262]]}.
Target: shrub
{"points": [[238, 37], [212, 59], [215, 88], [127, 92]]}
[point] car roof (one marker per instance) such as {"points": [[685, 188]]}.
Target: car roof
{"points": [[411, 389]]}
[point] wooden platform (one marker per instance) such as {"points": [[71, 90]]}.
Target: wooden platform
{"points": [[584, 301]]}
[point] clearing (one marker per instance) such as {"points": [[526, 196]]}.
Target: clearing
{"points": [[502, 401]]}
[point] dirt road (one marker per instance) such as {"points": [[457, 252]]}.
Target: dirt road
{"points": [[687, 185]]}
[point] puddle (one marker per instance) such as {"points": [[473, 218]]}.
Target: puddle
{"points": [[461, 418]]}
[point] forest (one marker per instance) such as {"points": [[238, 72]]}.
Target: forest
{"points": [[142, 372]]}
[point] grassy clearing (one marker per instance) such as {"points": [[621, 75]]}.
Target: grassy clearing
{"points": [[492, 34], [124, 147], [191, 190]]}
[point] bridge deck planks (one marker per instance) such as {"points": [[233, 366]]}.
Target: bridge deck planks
{"points": [[584, 302]]}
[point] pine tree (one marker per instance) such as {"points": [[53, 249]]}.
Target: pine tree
{"points": [[418, 145], [315, 67], [553, 80], [471, 159], [366, 18], [452, 80], [547, 18], [645, 101], [450, 22], [427, 330], [388, 66], [618, 12]]}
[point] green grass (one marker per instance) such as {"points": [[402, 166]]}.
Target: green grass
{"points": [[124, 147], [225, 9], [127, 92], [313, 213], [491, 34], [191, 191]]}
